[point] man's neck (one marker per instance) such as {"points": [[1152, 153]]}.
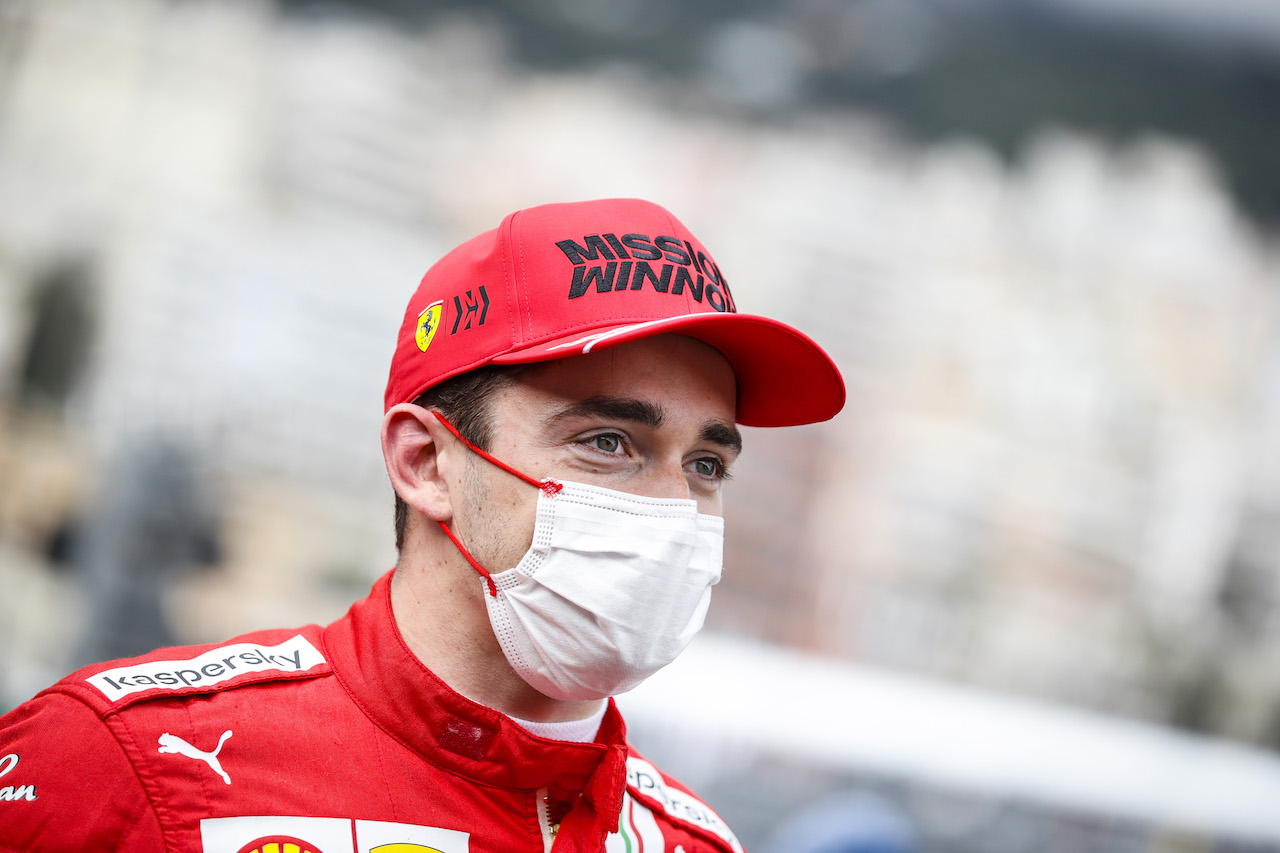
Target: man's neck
{"points": [[440, 611]]}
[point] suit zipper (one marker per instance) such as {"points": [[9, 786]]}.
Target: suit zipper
{"points": [[549, 829]]}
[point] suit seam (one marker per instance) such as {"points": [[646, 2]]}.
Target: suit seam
{"points": [[386, 780], [201, 777], [124, 839], [103, 717], [157, 807]]}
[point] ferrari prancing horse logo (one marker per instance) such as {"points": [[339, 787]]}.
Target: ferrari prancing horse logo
{"points": [[428, 322]]}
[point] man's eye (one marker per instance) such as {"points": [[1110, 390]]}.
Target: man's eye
{"points": [[708, 467], [609, 442]]}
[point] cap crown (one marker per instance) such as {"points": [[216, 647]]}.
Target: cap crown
{"points": [[561, 279]]}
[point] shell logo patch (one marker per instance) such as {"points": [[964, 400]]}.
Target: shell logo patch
{"points": [[279, 844], [428, 322], [297, 834]]}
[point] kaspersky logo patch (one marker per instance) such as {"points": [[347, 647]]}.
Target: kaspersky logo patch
{"points": [[211, 668], [636, 261], [428, 322], [289, 834]]}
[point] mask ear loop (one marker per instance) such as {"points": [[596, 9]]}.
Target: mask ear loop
{"points": [[549, 487], [484, 573]]}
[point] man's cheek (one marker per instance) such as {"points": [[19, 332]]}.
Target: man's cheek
{"points": [[502, 521]]}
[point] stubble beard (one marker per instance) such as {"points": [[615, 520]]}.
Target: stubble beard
{"points": [[491, 534]]}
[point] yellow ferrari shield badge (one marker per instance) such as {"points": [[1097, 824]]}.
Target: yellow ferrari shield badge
{"points": [[428, 322]]}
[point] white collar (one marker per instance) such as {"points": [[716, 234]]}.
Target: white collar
{"points": [[576, 731]]}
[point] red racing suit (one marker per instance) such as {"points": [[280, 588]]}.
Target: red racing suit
{"points": [[319, 740]]}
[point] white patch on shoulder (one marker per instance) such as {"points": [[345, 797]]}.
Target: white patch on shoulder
{"points": [[646, 781], [211, 668]]}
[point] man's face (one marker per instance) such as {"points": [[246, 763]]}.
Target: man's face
{"points": [[652, 417]]}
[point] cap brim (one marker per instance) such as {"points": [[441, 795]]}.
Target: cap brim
{"points": [[784, 378]]}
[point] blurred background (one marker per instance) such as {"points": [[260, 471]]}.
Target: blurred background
{"points": [[1022, 594]]}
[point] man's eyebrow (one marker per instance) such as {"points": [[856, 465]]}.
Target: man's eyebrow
{"points": [[726, 435], [615, 408]]}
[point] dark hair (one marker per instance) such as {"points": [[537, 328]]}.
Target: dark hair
{"points": [[464, 400]]}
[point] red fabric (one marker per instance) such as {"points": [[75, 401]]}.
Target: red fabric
{"points": [[562, 279], [367, 736]]}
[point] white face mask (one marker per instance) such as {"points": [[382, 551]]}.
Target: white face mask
{"points": [[613, 588]]}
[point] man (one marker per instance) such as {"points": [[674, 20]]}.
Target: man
{"points": [[560, 419]]}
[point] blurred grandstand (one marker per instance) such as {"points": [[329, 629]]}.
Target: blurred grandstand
{"points": [[1038, 236]]}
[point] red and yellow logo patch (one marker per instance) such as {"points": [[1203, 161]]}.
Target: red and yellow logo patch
{"points": [[279, 844], [428, 322]]}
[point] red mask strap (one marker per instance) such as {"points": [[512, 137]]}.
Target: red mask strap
{"points": [[548, 486], [484, 573]]}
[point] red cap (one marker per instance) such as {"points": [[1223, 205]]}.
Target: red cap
{"points": [[565, 279]]}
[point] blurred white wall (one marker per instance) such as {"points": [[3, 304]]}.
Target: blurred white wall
{"points": [[1057, 475]]}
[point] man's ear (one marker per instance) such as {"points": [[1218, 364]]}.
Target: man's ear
{"points": [[411, 438]]}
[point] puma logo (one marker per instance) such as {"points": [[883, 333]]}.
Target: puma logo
{"points": [[173, 743]]}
